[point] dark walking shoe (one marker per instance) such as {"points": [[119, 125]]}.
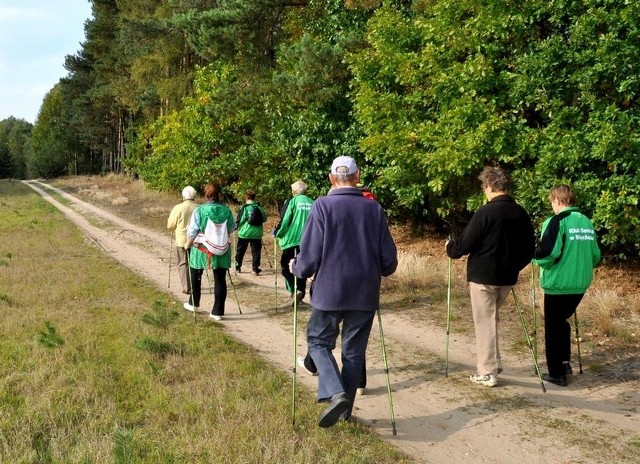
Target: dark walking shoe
{"points": [[567, 368], [337, 407], [560, 381], [298, 298], [303, 365]]}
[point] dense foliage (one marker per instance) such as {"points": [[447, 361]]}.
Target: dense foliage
{"points": [[14, 143], [423, 93], [548, 89]]}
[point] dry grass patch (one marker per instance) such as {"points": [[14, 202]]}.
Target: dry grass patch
{"points": [[612, 314]]}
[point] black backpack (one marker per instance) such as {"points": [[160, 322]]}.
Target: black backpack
{"points": [[255, 216]]}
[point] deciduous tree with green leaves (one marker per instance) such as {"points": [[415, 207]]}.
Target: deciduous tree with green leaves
{"points": [[547, 89]]}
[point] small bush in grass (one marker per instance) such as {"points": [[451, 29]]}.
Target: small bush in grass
{"points": [[49, 336], [6, 299], [162, 318]]}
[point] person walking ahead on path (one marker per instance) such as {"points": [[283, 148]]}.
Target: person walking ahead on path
{"points": [[500, 242], [306, 362], [567, 253], [178, 221], [294, 216], [348, 247], [250, 231], [218, 213]]}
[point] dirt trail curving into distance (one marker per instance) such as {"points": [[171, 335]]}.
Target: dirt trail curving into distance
{"points": [[439, 419]]}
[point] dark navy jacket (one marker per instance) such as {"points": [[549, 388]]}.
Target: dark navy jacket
{"points": [[499, 240], [348, 246]]}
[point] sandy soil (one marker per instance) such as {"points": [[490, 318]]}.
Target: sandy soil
{"points": [[439, 419]]}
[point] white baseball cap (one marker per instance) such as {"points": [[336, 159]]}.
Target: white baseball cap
{"points": [[188, 193], [346, 162]]}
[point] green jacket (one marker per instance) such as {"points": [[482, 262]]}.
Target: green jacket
{"points": [[293, 221], [567, 253], [217, 213], [246, 230]]}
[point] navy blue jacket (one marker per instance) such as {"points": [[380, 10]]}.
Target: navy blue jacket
{"points": [[499, 240], [348, 246]]}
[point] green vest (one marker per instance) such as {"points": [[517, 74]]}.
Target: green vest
{"points": [[294, 220], [246, 230]]}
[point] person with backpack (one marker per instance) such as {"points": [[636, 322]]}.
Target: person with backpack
{"points": [[208, 247], [293, 219], [566, 254], [178, 221], [249, 222]]}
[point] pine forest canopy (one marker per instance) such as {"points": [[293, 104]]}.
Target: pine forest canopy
{"points": [[257, 94]]}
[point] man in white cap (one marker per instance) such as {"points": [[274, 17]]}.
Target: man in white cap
{"points": [[348, 247], [179, 221]]}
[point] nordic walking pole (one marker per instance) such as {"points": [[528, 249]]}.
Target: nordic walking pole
{"points": [[295, 346], [533, 309], [170, 252], [191, 300], [275, 268], [206, 271], [234, 250], [386, 371], [234, 291], [526, 334], [264, 247], [575, 314], [446, 354]]}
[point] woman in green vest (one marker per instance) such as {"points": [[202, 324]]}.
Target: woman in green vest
{"points": [[201, 258]]}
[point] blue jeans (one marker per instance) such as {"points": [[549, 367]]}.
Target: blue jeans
{"points": [[322, 332]]}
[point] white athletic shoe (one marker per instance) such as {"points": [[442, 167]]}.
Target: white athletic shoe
{"points": [[215, 317], [488, 380], [360, 390], [189, 307]]}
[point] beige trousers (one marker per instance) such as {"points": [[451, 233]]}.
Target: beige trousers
{"points": [[183, 269], [485, 303]]}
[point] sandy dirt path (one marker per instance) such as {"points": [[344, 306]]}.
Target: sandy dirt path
{"points": [[439, 419]]}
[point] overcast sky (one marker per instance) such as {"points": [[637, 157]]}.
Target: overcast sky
{"points": [[35, 37]]}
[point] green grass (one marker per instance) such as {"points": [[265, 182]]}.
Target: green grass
{"points": [[98, 366]]}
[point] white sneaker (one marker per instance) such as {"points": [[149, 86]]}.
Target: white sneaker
{"points": [[215, 317], [189, 307], [360, 390], [488, 380]]}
